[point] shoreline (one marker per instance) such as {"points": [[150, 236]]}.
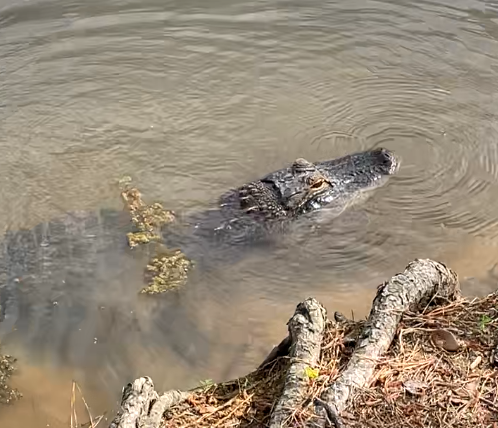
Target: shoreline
{"points": [[425, 355]]}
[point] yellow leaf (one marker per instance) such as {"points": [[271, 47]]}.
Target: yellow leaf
{"points": [[311, 373]]}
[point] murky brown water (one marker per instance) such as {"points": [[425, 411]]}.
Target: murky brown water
{"points": [[193, 97]]}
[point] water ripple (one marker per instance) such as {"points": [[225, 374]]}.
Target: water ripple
{"points": [[191, 98]]}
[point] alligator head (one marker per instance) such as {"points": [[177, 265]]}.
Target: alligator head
{"points": [[305, 187]]}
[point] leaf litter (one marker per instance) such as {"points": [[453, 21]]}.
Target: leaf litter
{"points": [[427, 378]]}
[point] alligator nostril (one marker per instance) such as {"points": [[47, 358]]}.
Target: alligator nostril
{"points": [[387, 154], [387, 159], [384, 152]]}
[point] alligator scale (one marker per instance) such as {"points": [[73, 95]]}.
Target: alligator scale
{"points": [[51, 267]]}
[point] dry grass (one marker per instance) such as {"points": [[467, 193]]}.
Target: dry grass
{"points": [[417, 384], [92, 422]]}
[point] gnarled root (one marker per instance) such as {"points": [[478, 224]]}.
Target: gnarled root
{"points": [[306, 329], [423, 282], [142, 407]]}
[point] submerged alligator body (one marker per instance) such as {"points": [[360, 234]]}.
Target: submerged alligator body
{"points": [[56, 278]]}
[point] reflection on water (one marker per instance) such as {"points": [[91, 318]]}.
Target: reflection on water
{"points": [[194, 97]]}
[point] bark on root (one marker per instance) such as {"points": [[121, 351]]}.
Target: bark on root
{"points": [[306, 329], [422, 282], [142, 407]]}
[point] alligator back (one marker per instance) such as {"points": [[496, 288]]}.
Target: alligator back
{"points": [[69, 290]]}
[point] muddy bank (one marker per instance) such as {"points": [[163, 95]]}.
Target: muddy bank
{"points": [[424, 357]]}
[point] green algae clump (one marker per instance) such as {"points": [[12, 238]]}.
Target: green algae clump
{"points": [[7, 394], [147, 219], [168, 271]]}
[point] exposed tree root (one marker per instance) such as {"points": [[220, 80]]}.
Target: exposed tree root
{"points": [[306, 329], [422, 282], [310, 378], [142, 407]]}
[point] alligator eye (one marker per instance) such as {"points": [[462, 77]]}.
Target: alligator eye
{"points": [[317, 184]]}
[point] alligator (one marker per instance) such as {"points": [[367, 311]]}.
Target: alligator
{"points": [[56, 276], [256, 212], [302, 193], [259, 208]]}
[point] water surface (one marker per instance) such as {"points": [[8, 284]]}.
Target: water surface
{"points": [[193, 97]]}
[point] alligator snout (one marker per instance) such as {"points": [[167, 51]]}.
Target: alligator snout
{"points": [[388, 160]]}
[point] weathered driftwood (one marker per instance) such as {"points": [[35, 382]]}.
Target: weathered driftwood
{"points": [[142, 407], [306, 329], [422, 282]]}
